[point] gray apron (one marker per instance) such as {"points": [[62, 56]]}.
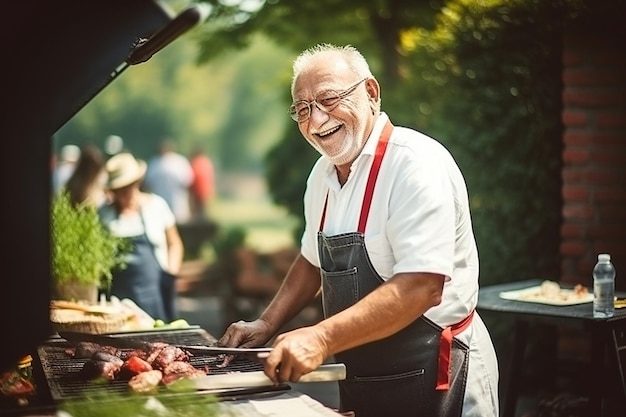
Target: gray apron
{"points": [[419, 371], [141, 279]]}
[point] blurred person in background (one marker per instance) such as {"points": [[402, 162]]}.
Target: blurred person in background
{"points": [[147, 220], [65, 164], [388, 239], [169, 175], [202, 189], [87, 182], [113, 144]]}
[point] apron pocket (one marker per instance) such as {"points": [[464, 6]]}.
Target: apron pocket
{"points": [[393, 377], [372, 395], [340, 290]]}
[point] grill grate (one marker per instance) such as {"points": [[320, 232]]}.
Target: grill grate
{"points": [[62, 372]]}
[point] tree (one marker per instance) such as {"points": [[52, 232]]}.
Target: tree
{"points": [[375, 27], [467, 72]]}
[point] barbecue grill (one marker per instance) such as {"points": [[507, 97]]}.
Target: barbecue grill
{"points": [[63, 378], [57, 374]]}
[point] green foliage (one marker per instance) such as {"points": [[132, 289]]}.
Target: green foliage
{"points": [[82, 248], [483, 77], [180, 400], [501, 73], [225, 245], [288, 166], [494, 74], [228, 240]]}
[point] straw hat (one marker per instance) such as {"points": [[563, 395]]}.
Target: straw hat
{"points": [[123, 170]]}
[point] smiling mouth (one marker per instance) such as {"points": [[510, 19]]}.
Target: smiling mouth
{"points": [[329, 132]]}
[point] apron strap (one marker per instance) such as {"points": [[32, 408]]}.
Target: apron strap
{"points": [[381, 147], [324, 213], [445, 351]]}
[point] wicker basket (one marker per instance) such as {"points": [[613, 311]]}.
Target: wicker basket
{"points": [[85, 322]]}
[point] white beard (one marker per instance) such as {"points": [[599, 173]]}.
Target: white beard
{"points": [[346, 151]]}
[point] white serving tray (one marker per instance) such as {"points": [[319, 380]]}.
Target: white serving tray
{"points": [[533, 295]]}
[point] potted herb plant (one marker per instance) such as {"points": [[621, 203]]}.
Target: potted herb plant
{"points": [[84, 252]]}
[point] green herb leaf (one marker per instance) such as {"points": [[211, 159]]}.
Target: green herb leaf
{"points": [[82, 248]]}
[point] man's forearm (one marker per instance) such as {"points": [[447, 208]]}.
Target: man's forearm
{"points": [[298, 289], [383, 312]]}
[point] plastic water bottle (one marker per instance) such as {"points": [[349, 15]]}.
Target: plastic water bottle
{"points": [[603, 287]]}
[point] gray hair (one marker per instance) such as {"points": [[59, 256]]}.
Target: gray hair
{"points": [[352, 56]]}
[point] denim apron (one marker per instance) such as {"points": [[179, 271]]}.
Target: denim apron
{"points": [[141, 279], [419, 371], [169, 295]]}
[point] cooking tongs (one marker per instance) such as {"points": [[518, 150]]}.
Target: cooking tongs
{"points": [[131, 343]]}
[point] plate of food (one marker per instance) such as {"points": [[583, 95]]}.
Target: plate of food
{"points": [[550, 292]]}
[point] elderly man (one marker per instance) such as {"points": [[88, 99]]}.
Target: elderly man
{"points": [[389, 241]]}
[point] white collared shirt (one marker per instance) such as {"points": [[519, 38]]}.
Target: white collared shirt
{"points": [[419, 219]]}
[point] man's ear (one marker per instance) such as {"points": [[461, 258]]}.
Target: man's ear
{"points": [[373, 89]]}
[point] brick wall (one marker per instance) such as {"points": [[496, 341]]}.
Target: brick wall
{"points": [[594, 153]]}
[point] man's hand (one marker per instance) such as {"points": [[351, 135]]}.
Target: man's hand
{"points": [[246, 334], [296, 353]]}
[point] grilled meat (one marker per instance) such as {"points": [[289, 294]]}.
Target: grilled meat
{"points": [[140, 353], [227, 359], [102, 365], [85, 350], [154, 351], [146, 381], [145, 369], [166, 355], [132, 366], [179, 369], [102, 355]]}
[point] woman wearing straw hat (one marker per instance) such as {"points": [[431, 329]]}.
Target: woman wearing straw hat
{"points": [[149, 223]]}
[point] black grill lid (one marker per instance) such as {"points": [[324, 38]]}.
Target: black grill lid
{"points": [[56, 56]]}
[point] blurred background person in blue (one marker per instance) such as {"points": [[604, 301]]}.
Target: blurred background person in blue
{"points": [[64, 167], [169, 175], [145, 218], [87, 182]]}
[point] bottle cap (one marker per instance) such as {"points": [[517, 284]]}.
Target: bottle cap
{"points": [[605, 257]]}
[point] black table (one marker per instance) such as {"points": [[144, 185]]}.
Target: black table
{"points": [[608, 337]]}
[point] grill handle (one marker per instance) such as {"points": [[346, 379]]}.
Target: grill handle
{"points": [[329, 372]]}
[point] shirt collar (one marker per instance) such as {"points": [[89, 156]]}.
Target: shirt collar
{"points": [[370, 145], [372, 140]]}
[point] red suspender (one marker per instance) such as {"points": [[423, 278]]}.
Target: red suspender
{"points": [[381, 147], [371, 180]]}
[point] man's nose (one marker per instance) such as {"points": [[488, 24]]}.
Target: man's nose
{"points": [[317, 114]]}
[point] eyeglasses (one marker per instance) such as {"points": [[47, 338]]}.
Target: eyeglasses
{"points": [[300, 111]]}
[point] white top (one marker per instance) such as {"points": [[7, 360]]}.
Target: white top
{"points": [[61, 175], [419, 191], [157, 217], [170, 175], [409, 229]]}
